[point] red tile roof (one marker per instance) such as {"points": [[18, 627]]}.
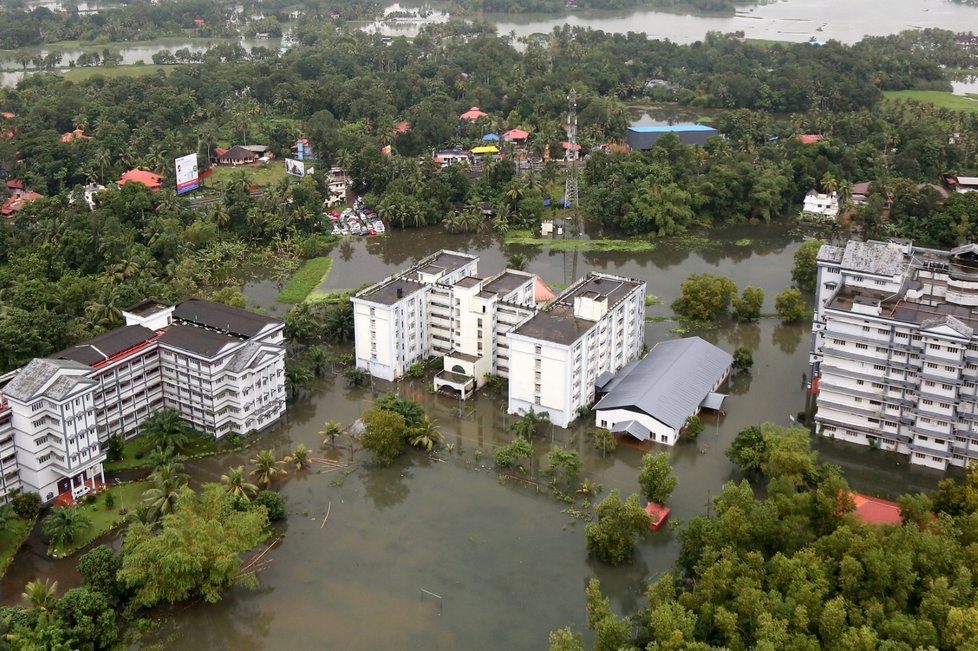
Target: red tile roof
{"points": [[810, 139], [7, 115], [17, 201], [516, 134], [873, 510], [472, 114], [15, 184], [149, 179], [220, 151], [402, 127], [658, 515]]}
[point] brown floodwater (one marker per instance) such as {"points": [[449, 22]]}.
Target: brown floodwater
{"points": [[507, 565]]}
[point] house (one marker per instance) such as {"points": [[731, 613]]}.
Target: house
{"points": [[873, 510], [595, 326], [152, 181], [302, 150], [402, 127], [338, 183], [644, 137], [963, 184], [517, 136], [969, 41], [810, 138], [448, 157], [244, 155], [894, 351], [472, 114], [652, 398], [18, 199], [221, 368], [7, 132], [821, 205], [73, 136]]}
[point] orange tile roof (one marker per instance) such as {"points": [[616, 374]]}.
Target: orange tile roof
{"points": [[873, 510], [149, 179]]}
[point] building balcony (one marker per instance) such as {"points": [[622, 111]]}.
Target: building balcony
{"points": [[459, 384]]}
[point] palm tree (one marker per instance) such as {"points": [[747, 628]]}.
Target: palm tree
{"points": [[161, 499], [167, 431], [318, 360], [338, 324], [829, 184], [331, 430], [296, 378], [516, 261], [40, 596], [267, 468], [357, 377], [528, 424], [234, 483], [166, 456], [62, 525], [299, 457], [426, 435]]}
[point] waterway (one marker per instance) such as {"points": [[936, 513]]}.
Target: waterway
{"points": [[787, 20], [505, 561]]}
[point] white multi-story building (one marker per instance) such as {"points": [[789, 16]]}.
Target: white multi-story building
{"points": [[220, 367], [894, 355], [821, 205], [595, 326]]}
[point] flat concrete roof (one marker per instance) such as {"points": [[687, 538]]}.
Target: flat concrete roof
{"points": [[506, 282], [614, 289], [387, 294], [557, 325], [469, 281]]}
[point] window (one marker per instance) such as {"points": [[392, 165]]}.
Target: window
{"points": [[931, 365], [865, 328], [927, 402], [538, 349], [862, 346]]}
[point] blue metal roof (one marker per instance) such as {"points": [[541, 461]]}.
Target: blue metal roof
{"points": [[670, 128]]}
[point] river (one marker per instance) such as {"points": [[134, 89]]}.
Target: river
{"points": [[788, 20], [507, 564]]}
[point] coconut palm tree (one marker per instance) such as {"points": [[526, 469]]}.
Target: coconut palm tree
{"points": [[426, 435], [63, 524], [40, 595], [167, 430], [331, 429], [357, 377], [338, 324], [160, 500], [516, 261], [318, 360], [234, 483], [298, 457], [296, 378], [267, 467], [528, 424]]}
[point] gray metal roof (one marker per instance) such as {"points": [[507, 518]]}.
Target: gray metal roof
{"points": [[36, 374], [198, 340], [671, 382], [879, 258], [107, 345], [633, 427], [223, 317]]}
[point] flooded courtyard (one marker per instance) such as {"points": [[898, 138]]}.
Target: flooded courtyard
{"points": [[445, 553]]}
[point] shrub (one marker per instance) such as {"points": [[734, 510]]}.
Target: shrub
{"points": [[27, 505], [509, 454], [274, 503]]}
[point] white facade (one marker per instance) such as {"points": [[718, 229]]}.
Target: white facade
{"points": [[894, 352], [659, 432], [825, 206], [595, 326], [221, 368]]}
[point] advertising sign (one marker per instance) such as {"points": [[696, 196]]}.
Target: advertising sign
{"points": [[187, 176], [295, 167]]}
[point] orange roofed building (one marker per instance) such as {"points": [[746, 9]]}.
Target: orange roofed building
{"points": [[152, 181]]}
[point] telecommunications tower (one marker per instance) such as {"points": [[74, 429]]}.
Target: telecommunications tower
{"points": [[570, 189]]}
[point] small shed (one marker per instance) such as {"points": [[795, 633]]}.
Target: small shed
{"points": [[657, 515], [651, 399]]}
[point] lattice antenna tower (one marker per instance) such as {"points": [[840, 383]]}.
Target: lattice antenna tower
{"points": [[570, 189]]}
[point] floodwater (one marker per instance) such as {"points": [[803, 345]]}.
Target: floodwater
{"points": [[134, 52], [789, 20], [506, 564]]}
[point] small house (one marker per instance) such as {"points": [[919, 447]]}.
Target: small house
{"points": [[73, 136], [152, 181], [244, 155], [821, 205], [302, 150], [17, 200]]}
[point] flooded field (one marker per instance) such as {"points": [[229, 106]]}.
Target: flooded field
{"points": [[507, 565]]}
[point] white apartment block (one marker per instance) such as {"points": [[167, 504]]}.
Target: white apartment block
{"points": [[595, 326], [894, 354], [220, 367]]}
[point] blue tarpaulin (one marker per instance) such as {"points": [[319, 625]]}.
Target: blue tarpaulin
{"points": [[491, 136]]}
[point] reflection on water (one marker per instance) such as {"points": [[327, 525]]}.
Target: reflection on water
{"points": [[508, 565]]}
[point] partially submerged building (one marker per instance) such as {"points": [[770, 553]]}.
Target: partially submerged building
{"points": [[894, 356], [641, 137], [651, 399]]}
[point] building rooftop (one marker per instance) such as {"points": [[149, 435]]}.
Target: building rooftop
{"points": [[447, 261], [468, 281], [146, 307], [392, 291], [829, 253], [878, 258], [596, 286], [671, 382], [507, 281], [197, 340], [106, 346], [224, 318], [39, 372], [670, 128], [556, 324]]}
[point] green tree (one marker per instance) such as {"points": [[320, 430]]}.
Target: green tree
{"points": [[516, 261], [195, 553], [267, 468], [273, 503], [705, 297], [787, 453], [692, 428], [235, 483], [27, 505], [168, 481], [748, 449], [167, 431], [805, 270], [612, 537], [99, 568], [743, 360], [384, 434], [88, 617], [357, 377], [40, 595], [603, 440], [563, 639], [114, 448], [564, 464], [411, 410], [331, 429], [230, 296], [790, 306], [610, 632], [507, 455], [748, 306], [63, 524], [528, 425], [299, 457], [655, 479]]}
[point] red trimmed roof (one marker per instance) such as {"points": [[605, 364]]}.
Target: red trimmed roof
{"points": [[17, 201], [77, 134], [516, 134], [810, 138], [541, 293], [15, 184], [7, 115], [220, 151], [149, 179], [658, 515], [402, 127], [873, 510], [472, 114], [567, 145]]}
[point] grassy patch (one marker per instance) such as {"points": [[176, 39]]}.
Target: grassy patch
{"points": [[103, 519], [308, 277], [939, 98], [651, 299], [135, 453], [112, 72], [330, 296], [12, 536], [631, 246], [262, 175]]}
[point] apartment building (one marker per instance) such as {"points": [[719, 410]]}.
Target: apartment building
{"points": [[595, 326], [894, 355], [220, 367]]}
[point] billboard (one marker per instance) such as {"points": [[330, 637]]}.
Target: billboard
{"points": [[295, 167], [187, 177]]}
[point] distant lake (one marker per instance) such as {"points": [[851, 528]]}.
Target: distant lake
{"points": [[791, 20]]}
